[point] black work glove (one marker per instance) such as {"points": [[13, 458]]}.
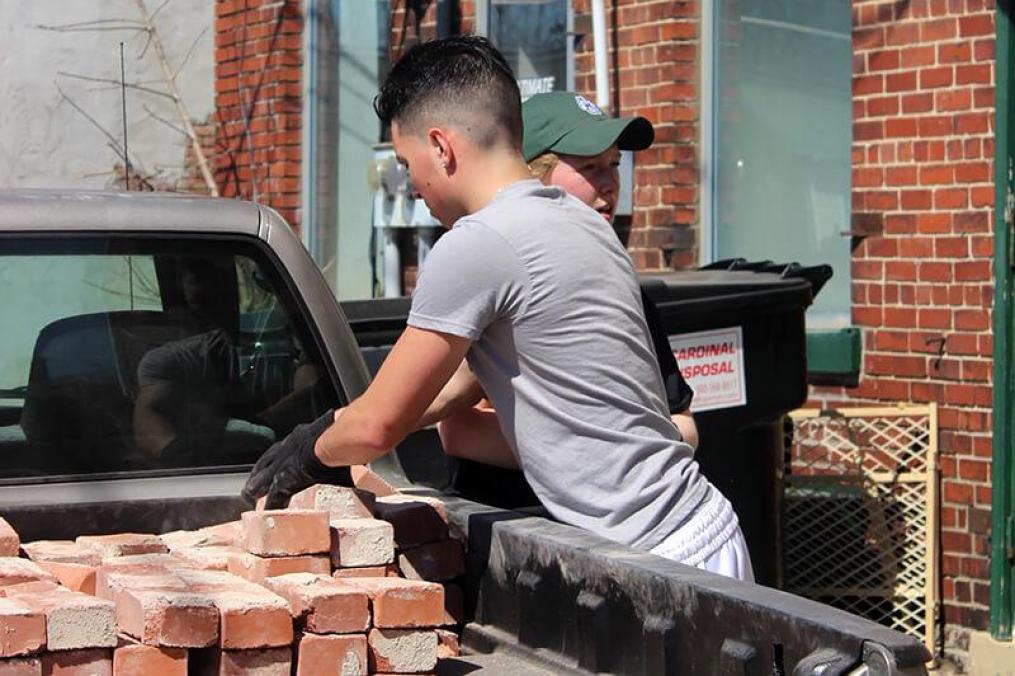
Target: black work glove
{"points": [[290, 465]]}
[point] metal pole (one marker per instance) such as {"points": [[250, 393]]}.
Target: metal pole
{"points": [[123, 101], [599, 52]]}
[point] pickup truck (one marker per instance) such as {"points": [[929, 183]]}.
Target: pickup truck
{"points": [[154, 345]]}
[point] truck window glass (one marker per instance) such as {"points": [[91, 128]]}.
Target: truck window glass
{"points": [[123, 354]]}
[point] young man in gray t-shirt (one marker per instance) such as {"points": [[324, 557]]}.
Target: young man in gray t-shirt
{"points": [[534, 290]]}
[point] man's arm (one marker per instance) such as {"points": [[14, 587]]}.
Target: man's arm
{"points": [[414, 372], [688, 428], [475, 434], [153, 430], [462, 392]]}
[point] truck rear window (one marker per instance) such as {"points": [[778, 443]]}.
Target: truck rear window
{"points": [[129, 354]]}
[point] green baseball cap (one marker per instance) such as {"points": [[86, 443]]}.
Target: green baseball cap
{"points": [[568, 123]]}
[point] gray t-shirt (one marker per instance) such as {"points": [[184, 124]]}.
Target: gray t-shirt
{"points": [[544, 288]]}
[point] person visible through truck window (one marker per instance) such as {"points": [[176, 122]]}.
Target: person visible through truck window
{"points": [[569, 142], [533, 288]]}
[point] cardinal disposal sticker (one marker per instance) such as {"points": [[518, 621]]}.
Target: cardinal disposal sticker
{"points": [[712, 362]]}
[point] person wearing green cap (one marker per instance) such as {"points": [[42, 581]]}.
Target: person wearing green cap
{"points": [[569, 142]]}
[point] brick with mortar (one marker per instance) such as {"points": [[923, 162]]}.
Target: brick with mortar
{"points": [[162, 617], [109, 581], [437, 561], [447, 644], [21, 666], [323, 605], [9, 540], [229, 533], [92, 662], [390, 570], [416, 520], [399, 603], [73, 620], [366, 479], [218, 662], [123, 544], [15, 571], [22, 629], [188, 539], [340, 502], [402, 650], [332, 655], [136, 659], [361, 542], [73, 576], [258, 568], [210, 557], [286, 532], [61, 551]]}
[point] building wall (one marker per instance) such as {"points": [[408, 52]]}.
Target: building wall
{"points": [[258, 102], [60, 130], [922, 290]]}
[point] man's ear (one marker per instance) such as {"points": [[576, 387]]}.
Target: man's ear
{"points": [[443, 148]]}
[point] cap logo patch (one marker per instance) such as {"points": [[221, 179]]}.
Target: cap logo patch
{"points": [[587, 106]]}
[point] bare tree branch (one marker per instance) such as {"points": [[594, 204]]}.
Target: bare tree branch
{"points": [[190, 51], [181, 109], [112, 139], [159, 9], [98, 26], [110, 81], [153, 114]]}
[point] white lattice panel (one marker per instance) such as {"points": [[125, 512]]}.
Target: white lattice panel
{"points": [[860, 526]]}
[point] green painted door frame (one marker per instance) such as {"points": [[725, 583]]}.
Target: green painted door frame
{"points": [[1002, 571]]}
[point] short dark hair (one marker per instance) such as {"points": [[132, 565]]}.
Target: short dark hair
{"points": [[460, 81]]}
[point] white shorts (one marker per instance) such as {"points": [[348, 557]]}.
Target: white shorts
{"points": [[710, 540]]}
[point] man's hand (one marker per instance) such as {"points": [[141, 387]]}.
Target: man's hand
{"points": [[290, 465]]}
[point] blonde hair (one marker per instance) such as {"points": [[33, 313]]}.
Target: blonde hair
{"points": [[542, 166]]}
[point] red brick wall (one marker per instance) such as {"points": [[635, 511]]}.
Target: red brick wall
{"points": [[258, 61], [653, 53], [923, 288]]}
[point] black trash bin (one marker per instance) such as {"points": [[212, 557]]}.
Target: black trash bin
{"points": [[742, 394], [758, 306]]}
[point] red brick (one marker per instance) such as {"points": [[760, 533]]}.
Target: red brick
{"points": [[186, 539], [447, 644], [416, 520], [123, 544], [211, 557], [15, 571], [257, 568], [284, 532], [361, 542], [21, 666], [391, 570], [94, 662], [135, 659], [436, 562], [340, 502], [399, 603], [229, 533], [252, 619], [218, 662], [319, 655], [9, 540], [322, 604], [22, 628], [73, 620], [402, 650], [366, 479], [168, 618], [61, 551]]}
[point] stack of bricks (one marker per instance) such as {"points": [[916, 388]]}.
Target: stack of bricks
{"points": [[343, 581]]}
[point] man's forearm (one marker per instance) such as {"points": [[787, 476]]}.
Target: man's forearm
{"points": [[475, 434], [461, 392]]}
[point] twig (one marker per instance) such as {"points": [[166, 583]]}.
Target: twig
{"points": [[181, 109], [84, 25], [106, 80], [152, 113], [112, 140], [186, 57]]}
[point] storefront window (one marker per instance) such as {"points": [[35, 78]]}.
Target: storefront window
{"points": [[782, 134], [532, 35]]}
